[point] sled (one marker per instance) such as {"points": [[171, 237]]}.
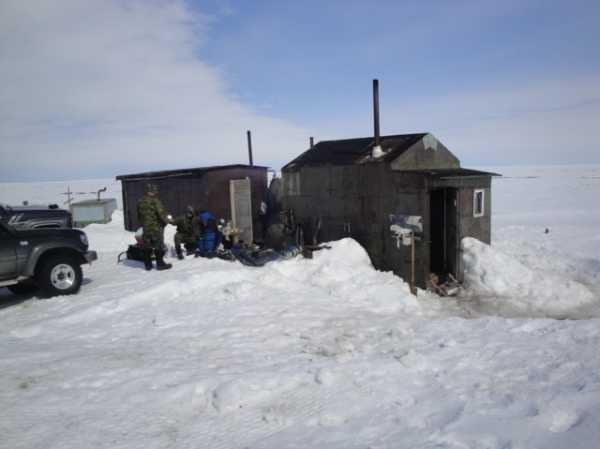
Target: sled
{"points": [[133, 252]]}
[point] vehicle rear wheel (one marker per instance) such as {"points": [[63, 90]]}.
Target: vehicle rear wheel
{"points": [[23, 288], [60, 275]]}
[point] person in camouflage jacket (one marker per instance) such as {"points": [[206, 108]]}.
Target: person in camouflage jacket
{"points": [[188, 232], [153, 218]]}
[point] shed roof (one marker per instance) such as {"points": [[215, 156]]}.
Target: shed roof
{"points": [[100, 202], [186, 171], [350, 151], [457, 173]]}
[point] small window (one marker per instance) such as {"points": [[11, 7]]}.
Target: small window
{"points": [[293, 183], [478, 203]]}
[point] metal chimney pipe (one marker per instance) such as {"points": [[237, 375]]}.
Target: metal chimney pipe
{"points": [[249, 134], [312, 142], [376, 112]]}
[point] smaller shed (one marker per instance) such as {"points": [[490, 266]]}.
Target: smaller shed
{"points": [[209, 188], [92, 211]]}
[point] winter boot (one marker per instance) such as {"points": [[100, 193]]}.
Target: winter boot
{"points": [[160, 262], [179, 252], [147, 254]]}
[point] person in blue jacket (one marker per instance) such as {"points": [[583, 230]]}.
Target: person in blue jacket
{"points": [[209, 235]]}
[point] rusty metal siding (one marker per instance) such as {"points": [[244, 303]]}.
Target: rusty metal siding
{"points": [[217, 190], [209, 190]]}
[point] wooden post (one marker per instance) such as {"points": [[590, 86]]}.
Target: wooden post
{"points": [[413, 288], [68, 193]]}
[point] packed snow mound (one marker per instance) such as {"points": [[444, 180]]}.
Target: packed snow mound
{"points": [[502, 281], [345, 271], [341, 272], [112, 236], [109, 237]]}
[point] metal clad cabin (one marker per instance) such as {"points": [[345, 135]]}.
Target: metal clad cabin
{"points": [[92, 211], [357, 192], [203, 188]]}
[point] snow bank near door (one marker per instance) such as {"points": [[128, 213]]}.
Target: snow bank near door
{"points": [[501, 281]]}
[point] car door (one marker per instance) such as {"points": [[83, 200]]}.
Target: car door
{"points": [[8, 254]]}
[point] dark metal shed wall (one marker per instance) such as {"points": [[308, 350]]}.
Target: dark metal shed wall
{"points": [[470, 226], [217, 196], [405, 194], [208, 190], [174, 193], [357, 200]]}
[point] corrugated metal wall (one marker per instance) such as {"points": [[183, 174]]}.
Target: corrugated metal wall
{"points": [[208, 190], [357, 200]]}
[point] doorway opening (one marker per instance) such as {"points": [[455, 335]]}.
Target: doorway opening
{"points": [[443, 213]]}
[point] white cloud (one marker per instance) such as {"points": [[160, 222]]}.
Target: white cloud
{"points": [[541, 122], [537, 121], [93, 88]]}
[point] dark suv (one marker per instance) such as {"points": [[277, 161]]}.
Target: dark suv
{"points": [[35, 217], [49, 259]]}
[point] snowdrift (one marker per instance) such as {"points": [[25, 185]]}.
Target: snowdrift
{"points": [[496, 281], [111, 236], [500, 281], [322, 353]]}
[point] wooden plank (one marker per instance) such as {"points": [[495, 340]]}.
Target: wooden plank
{"points": [[240, 192]]}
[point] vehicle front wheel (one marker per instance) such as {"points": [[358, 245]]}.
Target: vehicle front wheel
{"points": [[60, 275]]}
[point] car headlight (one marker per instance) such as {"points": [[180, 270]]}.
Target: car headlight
{"points": [[83, 239]]}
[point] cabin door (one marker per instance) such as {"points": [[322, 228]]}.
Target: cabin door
{"points": [[444, 232], [240, 194]]}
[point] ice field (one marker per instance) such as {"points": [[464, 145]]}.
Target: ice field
{"points": [[321, 353]]}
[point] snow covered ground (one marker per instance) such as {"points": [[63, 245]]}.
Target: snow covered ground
{"points": [[14, 193], [323, 353], [546, 244]]}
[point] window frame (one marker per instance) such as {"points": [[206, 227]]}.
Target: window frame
{"points": [[477, 213], [293, 183]]}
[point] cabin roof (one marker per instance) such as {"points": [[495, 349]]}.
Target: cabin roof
{"points": [[448, 173], [350, 151], [95, 202], [186, 172]]}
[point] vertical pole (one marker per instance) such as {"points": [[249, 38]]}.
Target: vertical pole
{"points": [[312, 142], [376, 112], [69, 195], [249, 135], [413, 288]]}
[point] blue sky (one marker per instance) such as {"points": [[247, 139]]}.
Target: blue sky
{"points": [[307, 60], [100, 88]]}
